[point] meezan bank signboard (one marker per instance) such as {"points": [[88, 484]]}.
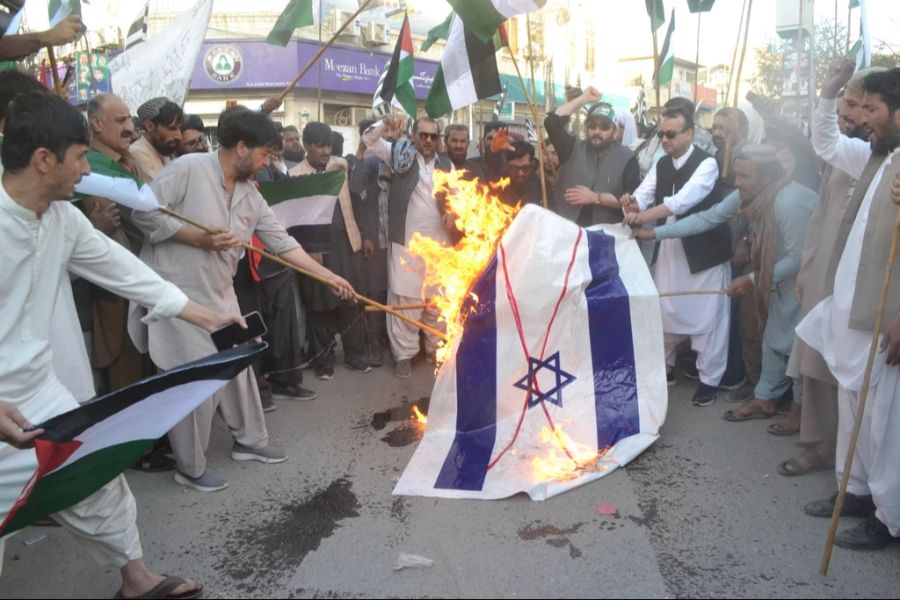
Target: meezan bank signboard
{"points": [[242, 64]]}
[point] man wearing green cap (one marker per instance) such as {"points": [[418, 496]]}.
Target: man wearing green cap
{"points": [[594, 172]]}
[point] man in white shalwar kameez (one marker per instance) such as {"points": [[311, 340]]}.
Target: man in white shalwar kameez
{"points": [[682, 183], [841, 326], [44, 156]]}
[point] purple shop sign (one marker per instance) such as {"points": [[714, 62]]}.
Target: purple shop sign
{"points": [[241, 64]]}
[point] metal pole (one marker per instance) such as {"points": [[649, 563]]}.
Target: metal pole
{"points": [[697, 64], [799, 56], [319, 81], [737, 44], [737, 82], [656, 63]]}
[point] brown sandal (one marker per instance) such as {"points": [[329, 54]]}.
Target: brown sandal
{"points": [[165, 589], [802, 465], [782, 429], [748, 412]]}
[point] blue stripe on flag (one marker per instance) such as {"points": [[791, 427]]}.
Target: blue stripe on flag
{"points": [[476, 392], [612, 345]]}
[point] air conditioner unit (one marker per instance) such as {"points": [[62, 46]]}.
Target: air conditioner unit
{"points": [[374, 34], [339, 17]]}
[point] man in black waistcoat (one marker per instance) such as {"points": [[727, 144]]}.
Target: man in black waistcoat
{"points": [[682, 183], [593, 172]]}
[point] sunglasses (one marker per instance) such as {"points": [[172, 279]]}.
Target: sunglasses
{"points": [[428, 136], [669, 135]]}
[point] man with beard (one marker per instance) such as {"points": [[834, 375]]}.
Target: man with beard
{"points": [[293, 151], [683, 183], [456, 144], [412, 209], [818, 419], [594, 173], [729, 134], [777, 211], [160, 118], [518, 156], [840, 327], [217, 190], [329, 316]]}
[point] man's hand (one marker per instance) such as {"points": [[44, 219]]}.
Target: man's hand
{"points": [[270, 105], [633, 219], [890, 342], [741, 254], [500, 143], [629, 203], [742, 286], [104, 217], [206, 319], [65, 32], [643, 234], [590, 94], [220, 239], [12, 424], [343, 289], [895, 189], [581, 196], [368, 250], [839, 73]]}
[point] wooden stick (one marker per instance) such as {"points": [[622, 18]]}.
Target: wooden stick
{"points": [[400, 307], [737, 44], [693, 293], [536, 125], [57, 86], [737, 80], [864, 392], [656, 65], [318, 278], [321, 51]]}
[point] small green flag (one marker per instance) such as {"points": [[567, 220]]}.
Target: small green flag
{"points": [[60, 10], [657, 15], [854, 3], [439, 32], [297, 13], [667, 55]]}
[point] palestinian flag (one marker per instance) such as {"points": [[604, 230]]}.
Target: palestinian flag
{"points": [[483, 17], [667, 55], [110, 180], [398, 81], [59, 10], [84, 449], [467, 73], [861, 52], [137, 32], [305, 205], [297, 13]]}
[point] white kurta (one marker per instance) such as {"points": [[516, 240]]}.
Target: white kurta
{"points": [[686, 315], [37, 252]]}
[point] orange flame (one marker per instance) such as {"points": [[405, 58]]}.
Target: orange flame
{"points": [[565, 458], [451, 271], [417, 414]]}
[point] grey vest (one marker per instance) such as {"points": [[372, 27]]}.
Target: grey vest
{"points": [[602, 174]]}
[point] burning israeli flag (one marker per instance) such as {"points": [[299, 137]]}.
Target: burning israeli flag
{"points": [[558, 375]]}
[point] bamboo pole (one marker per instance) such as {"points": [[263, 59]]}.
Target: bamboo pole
{"points": [[54, 73], [538, 127], [691, 293], [697, 64], [656, 64], [849, 18], [534, 116], [863, 394], [303, 271], [420, 306], [321, 51], [737, 81], [737, 44]]}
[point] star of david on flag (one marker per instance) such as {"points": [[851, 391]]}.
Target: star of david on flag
{"points": [[563, 332]]}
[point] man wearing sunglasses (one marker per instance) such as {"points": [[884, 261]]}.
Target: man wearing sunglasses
{"points": [[596, 171], [411, 209], [682, 183]]}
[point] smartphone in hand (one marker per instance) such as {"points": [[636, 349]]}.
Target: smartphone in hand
{"points": [[232, 335]]}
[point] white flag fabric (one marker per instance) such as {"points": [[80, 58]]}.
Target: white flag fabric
{"points": [[566, 331], [120, 190], [162, 65]]}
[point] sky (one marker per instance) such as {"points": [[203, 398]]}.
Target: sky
{"points": [[622, 24]]}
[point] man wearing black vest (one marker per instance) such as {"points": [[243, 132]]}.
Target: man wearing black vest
{"points": [[593, 172], [682, 183]]}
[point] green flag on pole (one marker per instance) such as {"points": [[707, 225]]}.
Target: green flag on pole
{"points": [[297, 13], [667, 55], [657, 15], [438, 32], [700, 6], [60, 10]]}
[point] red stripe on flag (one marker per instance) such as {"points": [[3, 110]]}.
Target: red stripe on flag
{"points": [[406, 44]]}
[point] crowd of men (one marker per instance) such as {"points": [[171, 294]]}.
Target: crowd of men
{"points": [[796, 232]]}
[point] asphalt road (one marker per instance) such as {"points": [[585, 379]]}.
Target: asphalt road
{"points": [[703, 513]]}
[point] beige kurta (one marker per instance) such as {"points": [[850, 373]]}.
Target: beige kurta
{"points": [[147, 161], [194, 185]]}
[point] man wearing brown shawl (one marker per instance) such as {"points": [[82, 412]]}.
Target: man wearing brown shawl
{"points": [[778, 211]]}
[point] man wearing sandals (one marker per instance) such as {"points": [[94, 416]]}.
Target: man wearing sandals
{"points": [[841, 326], [43, 155], [778, 211]]}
